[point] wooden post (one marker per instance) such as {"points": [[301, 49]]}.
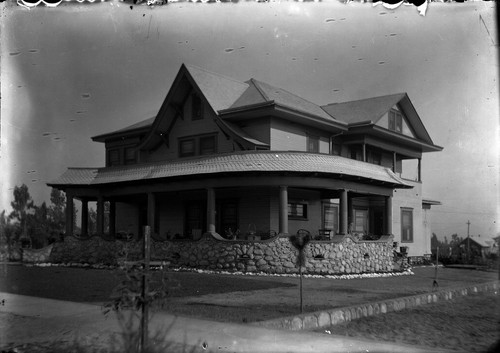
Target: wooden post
{"points": [[435, 283], [145, 289], [301, 302]]}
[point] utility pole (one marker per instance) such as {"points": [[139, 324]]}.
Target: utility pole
{"points": [[468, 241]]}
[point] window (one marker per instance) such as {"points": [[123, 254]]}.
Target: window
{"points": [[187, 147], [406, 225], [336, 149], [207, 145], [130, 155], [114, 157], [297, 210], [376, 158], [330, 217], [360, 221], [395, 120], [195, 216], [228, 216], [312, 144], [197, 108]]}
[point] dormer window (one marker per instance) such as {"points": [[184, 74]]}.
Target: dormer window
{"points": [[196, 108], [395, 120]]}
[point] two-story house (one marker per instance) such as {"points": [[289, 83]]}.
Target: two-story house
{"points": [[232, 159]]}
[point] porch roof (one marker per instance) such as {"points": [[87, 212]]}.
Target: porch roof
{"points": [[247, 161]]}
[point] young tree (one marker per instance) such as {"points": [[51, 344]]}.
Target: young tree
{"points": [[57, 211], [21, 206], [39, 226]]}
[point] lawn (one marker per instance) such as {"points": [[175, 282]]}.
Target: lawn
{"points": [[464, 324]]}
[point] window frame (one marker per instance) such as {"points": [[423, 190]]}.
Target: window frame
{"points": [[404, 226], [182, 153], [128, 161], [293, 210], [366, 220], [395, 121], [327, 206], [207, 137], [312, 139], [118, 154]]}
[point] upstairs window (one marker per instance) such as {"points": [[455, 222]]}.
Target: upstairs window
{"points": [[198, 145], [187, 147], [207, 145], [196, 108], [130, 155], [114, 157], [395, 120], [376, 158], [312, 144]]}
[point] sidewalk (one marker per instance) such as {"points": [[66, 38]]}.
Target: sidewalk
{"points": [[25, 319]]}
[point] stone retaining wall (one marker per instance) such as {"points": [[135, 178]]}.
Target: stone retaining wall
{"points": [[319, 319], [275, 255]]}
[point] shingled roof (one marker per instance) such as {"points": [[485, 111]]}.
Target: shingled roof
{"points": [[370, 109], [248, 161]]}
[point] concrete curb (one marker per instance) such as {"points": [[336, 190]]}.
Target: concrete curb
{"points": [[326, 318]]}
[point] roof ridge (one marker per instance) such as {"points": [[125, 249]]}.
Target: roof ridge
{"points": [[366, 99], [257, 83]]}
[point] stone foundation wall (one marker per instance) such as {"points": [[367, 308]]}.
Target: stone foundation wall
{"points": [[275, 255]]}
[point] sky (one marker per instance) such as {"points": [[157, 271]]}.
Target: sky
{"points": [[79, 70]]}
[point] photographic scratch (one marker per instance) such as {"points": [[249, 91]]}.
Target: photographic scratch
{"points": [[33, 50], [149, 25], [15, 53], [228, 50], [487, 30], [330, 20]]}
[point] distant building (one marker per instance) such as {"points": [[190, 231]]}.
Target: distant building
{"points": [[234, 159]]}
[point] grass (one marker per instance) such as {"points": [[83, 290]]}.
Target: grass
{"points": [[464, 324]]}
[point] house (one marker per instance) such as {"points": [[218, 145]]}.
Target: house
{"points": [[477, 247], [248, 161]]}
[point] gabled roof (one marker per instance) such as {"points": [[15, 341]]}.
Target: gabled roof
{"points": [[248, 161], [367, 112], [259, 93], [220, 91], [143, 125], [370, 109]]}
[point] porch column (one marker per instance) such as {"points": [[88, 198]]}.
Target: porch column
{"points": [[364, 152], [112, 218], [388, 217], [151, 211], [343, 212], [394, 161], [69, 214], [85, 218], [420, 169], [100, 215], [211, 210], [283, 210]]}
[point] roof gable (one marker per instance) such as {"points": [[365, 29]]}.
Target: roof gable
{"points": [[372, 110], [363, 110]]}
